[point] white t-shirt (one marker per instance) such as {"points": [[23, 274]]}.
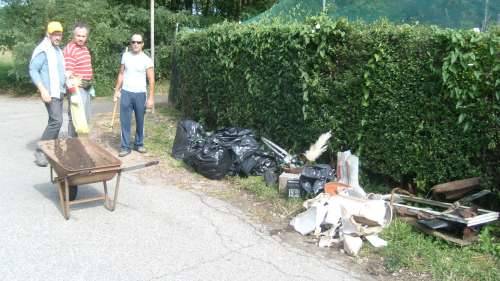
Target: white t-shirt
{"points": [[134, 75]]}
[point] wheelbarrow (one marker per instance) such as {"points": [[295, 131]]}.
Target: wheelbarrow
{"points": [[78, 161]]}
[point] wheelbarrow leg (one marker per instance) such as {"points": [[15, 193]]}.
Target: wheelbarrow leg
{"points": [[117, 186], [61, 198], [66, 199], [106, 197]]}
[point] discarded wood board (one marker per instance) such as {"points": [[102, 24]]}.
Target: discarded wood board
{"points": [[439, 234], [456, 189]]}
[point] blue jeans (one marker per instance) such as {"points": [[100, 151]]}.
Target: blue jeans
{"points": [[129, 102]]}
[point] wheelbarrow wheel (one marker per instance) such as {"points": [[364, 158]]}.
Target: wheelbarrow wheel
{"points": [[73, 191]]}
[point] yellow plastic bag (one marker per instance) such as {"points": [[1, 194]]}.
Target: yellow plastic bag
{"points": [[78, 114]]}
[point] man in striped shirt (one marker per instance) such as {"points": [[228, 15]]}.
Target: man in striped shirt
{"points": [[79, 67]]}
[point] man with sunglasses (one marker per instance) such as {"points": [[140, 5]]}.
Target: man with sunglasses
{"points": [[131, 89], [47, 72]]}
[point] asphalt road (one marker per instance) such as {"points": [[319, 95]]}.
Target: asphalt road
{"points": [[157, 232]]}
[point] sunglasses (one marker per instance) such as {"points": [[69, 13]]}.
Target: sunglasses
{"points": [[135, 42]]}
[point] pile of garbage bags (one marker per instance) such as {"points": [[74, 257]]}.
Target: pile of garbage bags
{"points": [[227, 151]]}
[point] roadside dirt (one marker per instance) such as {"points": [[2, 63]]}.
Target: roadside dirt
{"points": [[261, 213]]}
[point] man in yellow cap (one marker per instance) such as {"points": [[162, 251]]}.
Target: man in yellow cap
{"points": [[48, 74]]}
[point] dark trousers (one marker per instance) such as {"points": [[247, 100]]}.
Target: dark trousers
{"points": [[129, 102], [54, 109]]}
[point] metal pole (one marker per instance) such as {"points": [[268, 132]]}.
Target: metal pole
{"points": [[486, 2], [324, 5], [152, 9]]}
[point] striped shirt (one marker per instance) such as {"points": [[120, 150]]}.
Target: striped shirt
{"points": [[78, 61]]}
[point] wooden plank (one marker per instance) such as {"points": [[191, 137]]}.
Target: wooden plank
{"points": [[456, 185], [87, 200]]}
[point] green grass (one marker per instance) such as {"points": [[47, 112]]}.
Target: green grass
{"points": [[277, 202], [257, 186], [410, 249], [160, 130], [407, 247], [418, 252]]}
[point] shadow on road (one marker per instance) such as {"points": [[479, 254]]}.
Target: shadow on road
{"points": [[49, 191]]}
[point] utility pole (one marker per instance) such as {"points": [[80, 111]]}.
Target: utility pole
{"points": [[486, 2], [152, 20]]}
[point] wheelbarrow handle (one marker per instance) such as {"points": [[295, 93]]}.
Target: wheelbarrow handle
{"points": [[140, 166], [79, 173]]}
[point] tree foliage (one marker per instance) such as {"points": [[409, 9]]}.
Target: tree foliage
{"points": [[24, 24], [230, 9]]}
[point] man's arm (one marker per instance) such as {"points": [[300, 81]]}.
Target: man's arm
{"points": [[69, 61], [150, 73], [119, 83], [35, 68]]}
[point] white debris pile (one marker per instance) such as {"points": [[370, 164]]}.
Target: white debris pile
{"points": [[347, 215]]}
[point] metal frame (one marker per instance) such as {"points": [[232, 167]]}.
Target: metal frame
{"points": [[484, 216]]}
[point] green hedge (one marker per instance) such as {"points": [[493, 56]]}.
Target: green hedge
{"points": [[414, 102]]}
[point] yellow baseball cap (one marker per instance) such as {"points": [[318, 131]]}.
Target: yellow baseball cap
{"points": [[54, 26]]}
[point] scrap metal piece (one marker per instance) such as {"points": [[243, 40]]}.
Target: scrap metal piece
{"points": [[474, 196], [434, 223], [285, 157], [482, 217]]}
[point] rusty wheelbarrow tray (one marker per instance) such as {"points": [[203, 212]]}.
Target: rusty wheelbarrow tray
{"points": [[80, 161]]}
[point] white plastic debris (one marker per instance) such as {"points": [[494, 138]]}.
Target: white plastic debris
{"points": [[353, 181], [326, 242], [310, 220], [347, 173], [347, 217], [342, 174], [352, 245], [376, 241]]}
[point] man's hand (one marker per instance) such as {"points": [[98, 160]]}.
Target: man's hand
{"points": [[116, 96], [150, 103], [44, 94], [77, 81]]}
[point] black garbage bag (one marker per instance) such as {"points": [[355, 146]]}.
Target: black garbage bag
{"points": [[228, 136], [194, 148], [258, 163], [187, 132], [209, 158], [243, 148], [231, 150], [313, 178], [241, 142]]}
